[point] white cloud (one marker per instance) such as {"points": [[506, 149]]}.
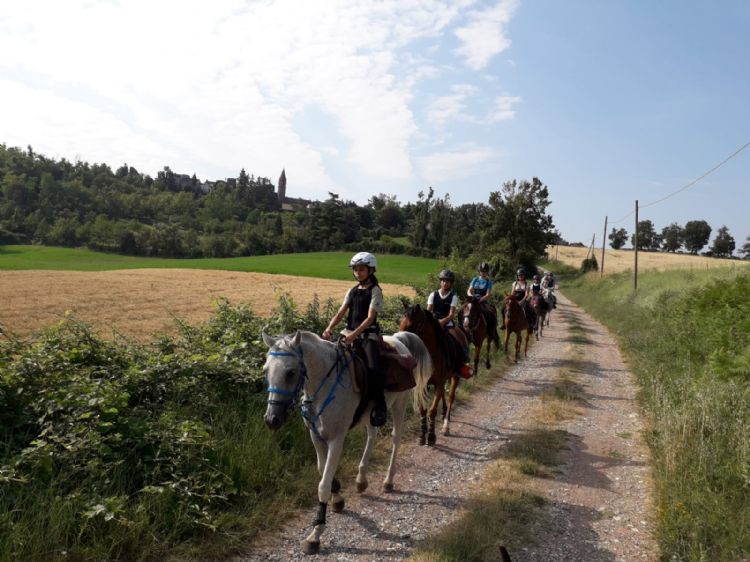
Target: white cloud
{"points": [[450, 107], [455, 164], [484, 36], [212, 87], [504, 108]]}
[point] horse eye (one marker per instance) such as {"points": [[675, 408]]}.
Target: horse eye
{"points": [[290, 373]]}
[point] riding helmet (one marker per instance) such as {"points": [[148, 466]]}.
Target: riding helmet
{"points": [[484, 266], [520, 271], [447, 274], [364, 258]]}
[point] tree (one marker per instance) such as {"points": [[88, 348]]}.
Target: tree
{"points": [[746, 248], [696, 235], [647, 237], [723, 245], [672, 237], [517, 218], [617, 238]]}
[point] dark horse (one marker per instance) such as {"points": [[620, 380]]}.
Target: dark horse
{"points": [[444, 351], [515, 321], [476, 328], [539, 306]]}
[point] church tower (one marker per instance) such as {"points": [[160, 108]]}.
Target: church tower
{"points": [[282, 186]]}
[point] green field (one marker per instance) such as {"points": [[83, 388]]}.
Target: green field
{"points": [[402, 270]]}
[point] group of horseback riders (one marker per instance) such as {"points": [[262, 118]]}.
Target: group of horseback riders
{"points": [[363, 302]]}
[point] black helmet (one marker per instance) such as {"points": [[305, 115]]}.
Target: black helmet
{"points": [[520, 271], [447, 274], [484, 266], [536, 277]]}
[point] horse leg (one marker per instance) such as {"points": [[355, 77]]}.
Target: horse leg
{"points": [[477, 352], [507, 337], [439, 395], [365, 460], [525, 349], [489, 347], [398, 410], [311, 544], [321, 451], [451, 398], [423, 425]]}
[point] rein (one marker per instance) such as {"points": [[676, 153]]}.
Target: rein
{"points": [[307, 408]]}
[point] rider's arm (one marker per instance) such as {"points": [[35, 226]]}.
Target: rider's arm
{"points": [[335, 320], [487, 295]]}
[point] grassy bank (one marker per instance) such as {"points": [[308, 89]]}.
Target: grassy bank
{"points": [[687, 337], [398, 269]]}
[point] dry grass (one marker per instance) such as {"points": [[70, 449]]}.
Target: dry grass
{"points": [[142, 302], [616, 261]]}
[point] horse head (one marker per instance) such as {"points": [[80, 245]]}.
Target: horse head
{"points": [[413, 320], [285, 372]]}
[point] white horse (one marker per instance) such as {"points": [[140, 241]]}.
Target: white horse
{"points": [[319, 374]]}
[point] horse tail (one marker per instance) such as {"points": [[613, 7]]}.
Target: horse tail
{"points": [[423, 370]]}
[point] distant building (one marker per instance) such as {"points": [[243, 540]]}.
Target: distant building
{"points": [[289, 203]]}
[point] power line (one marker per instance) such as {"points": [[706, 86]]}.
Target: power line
{"points": [[692, 183]]}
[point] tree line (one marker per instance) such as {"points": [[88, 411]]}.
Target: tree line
{"points": [[694, 236], [63, 203]]}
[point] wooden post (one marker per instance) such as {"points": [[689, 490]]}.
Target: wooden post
{"points": [[603, 240], [635, 239]]}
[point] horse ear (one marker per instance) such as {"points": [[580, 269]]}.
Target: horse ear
{"points": [[297, 338], [269, 340], [417, 307], [405, 303]]}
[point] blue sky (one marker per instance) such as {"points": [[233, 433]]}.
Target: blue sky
{"points": [[605, 101]]}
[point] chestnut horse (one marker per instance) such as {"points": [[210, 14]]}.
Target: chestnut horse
{"points": [[438, 342], [477, 330], [515, 322]]}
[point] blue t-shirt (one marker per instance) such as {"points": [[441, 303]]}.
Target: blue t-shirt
{"points": [[480, 285]]}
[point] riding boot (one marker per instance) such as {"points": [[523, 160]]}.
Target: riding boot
{"points": [[502, 315], [379, 412]]}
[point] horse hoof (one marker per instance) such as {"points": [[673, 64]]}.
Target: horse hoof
{"points": [[421, 441], [431, 438], [309, 547], [446, 431], [388, 487], [338, 506], [361, 487]]}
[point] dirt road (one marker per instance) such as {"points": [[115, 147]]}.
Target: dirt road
{"points": [[598, 505]]}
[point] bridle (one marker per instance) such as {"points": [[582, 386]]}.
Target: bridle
{"points": [[307, 407]]}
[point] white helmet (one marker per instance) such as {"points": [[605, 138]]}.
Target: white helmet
{"points": [[363, 258]]}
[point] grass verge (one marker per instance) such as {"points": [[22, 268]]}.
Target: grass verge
{"points": [[687, 338]]}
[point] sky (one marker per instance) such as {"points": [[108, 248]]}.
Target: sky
{"points": [[605, 101]]}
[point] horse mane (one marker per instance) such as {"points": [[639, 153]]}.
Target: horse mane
{"points": [[440, 335]]}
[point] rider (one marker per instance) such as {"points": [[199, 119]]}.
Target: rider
{"points": [[521, 290], [363, 302], [481, 286], [536, 289], [442, 303], [548, 282]]}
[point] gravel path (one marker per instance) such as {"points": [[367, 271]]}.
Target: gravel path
{"points": [[598, 506]]}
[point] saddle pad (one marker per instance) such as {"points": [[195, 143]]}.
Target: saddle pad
{"points": [[398, 369]]}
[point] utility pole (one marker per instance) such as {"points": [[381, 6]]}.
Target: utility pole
{"points": [[604, 237], [635, 239]]}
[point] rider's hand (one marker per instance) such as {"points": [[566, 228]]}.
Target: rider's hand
{"points": [[327, 334], [349, 339]]}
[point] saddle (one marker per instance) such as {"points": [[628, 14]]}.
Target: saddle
{"points": [[397, 369]]}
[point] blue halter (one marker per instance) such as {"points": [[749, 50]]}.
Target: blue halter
{"points": [[307, 410]]}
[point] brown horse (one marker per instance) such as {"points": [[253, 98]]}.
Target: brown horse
{"points": [[539, 306], [421, 322], [515, 322], [476, 328]]}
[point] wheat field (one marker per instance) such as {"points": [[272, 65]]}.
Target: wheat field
{"points": [[616, 261]]}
